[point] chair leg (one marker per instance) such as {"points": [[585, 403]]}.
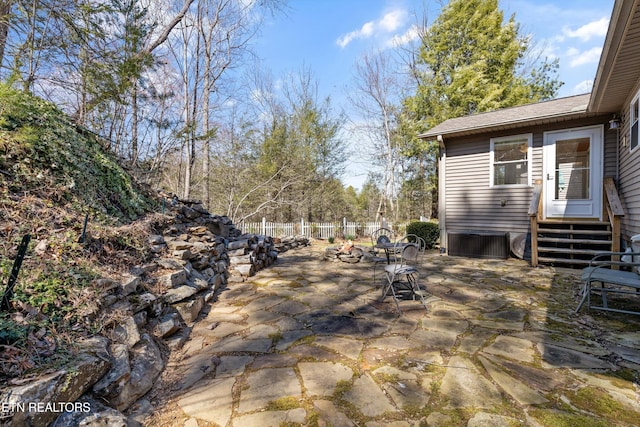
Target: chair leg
{"points": [[395, 298], [415, 289], [389, 287], [585, 293]]}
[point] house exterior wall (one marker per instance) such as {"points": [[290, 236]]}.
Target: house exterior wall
{"points": [[470, 203], [629, 177]]}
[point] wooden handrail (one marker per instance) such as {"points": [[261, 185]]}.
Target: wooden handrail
{"points": [[536, 196], [615, 211], [534, 210], [614, 205]]}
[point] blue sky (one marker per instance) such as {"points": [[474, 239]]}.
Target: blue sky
{"points": [[329, 36]]}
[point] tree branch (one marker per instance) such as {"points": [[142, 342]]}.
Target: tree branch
{"points": [[168, 28]]}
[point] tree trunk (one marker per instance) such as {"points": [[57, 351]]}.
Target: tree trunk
{"points": [[134, 121], [205, 128], [5, 10]]}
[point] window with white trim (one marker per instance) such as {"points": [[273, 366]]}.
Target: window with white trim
{"points": [[634, 114], [511, 160]]}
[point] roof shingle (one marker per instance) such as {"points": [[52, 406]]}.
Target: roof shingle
{"points": [[541, 112]]}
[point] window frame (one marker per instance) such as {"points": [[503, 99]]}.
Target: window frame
{"points": [[634, 119], [528, 137]]}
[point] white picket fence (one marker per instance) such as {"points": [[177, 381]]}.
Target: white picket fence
{"points": [[317, 230]]}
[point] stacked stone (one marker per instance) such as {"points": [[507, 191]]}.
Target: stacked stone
{"points": [[195, 257], [191, 213], [290, 242], [250, 253], [352, 256]]}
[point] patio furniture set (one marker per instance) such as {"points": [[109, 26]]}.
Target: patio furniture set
{"points": [[401, 259], [608, 273], [613, 273]]}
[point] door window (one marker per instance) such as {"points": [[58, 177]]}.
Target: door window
{"points": [[572, 169]]}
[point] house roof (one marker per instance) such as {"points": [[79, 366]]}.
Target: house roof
{"points": [[556, 110], [619, 67], [618, 73]]}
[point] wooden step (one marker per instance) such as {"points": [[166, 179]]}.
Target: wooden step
{"points": [[571, 251], [574, 241], [557, 241], [581, 223], [565, 231], [549, 260]]}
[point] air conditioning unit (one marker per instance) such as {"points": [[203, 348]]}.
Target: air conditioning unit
{"points": [[479, 244]]}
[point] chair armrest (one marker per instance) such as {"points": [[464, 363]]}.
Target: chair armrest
{"points": [[594, 261], [598, 263]]}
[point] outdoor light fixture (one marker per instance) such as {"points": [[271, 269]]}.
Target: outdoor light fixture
{"points": [[614, 123]]}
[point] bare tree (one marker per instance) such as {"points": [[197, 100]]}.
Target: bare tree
{"points": [[219, 41], [376, 97], [225, 27], [5, 10]]}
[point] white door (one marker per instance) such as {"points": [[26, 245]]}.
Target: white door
{"points": [[573, 173]]}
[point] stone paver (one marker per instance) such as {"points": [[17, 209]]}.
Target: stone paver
{"points": [[232, 366], [307, 342], [483, 419], [238, 344], [523, 394], [559, 357], [407, 394], [473, 342], [210, 400], [271, 418], [434, 339], [321, 378], [368, 397], [330, 415], [346, 346], [268, 385], [290, 337], [512, 348], [463, 386], [393, 343]]}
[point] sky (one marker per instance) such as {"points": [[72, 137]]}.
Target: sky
{"points": [[329, 36]]}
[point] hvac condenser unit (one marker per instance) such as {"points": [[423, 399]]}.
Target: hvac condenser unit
{"points": [[479, 244]]}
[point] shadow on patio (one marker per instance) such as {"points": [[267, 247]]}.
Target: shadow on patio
{"points": [[307, 342]]}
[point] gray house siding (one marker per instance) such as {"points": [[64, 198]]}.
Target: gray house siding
{"points": [[629, 178], [610, 143], [472, 204]]}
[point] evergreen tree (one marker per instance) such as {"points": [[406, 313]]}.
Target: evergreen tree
{"points": [[471, 60]]}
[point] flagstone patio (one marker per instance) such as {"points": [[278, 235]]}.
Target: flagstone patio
{"points": [[307, 342]]}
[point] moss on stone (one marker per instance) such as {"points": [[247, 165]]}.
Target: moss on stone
{"points": [[595, 400], [551, 417], [283, 404]]}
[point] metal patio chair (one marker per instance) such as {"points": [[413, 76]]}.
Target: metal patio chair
{"points": [[402, 276], [380, 236]]}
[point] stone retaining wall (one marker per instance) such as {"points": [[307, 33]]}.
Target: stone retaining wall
{"points": [[195, 256]]}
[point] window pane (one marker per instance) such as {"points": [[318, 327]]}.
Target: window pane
{"points": [[634, 135], [509, 151], [510, 162], [510, 173], [572, 169]]}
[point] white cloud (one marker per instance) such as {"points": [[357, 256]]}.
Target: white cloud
{"points": [[367, 29], [588, 31], [364, 32], [389, 22], [572, 51], [393, 20], [413, 33], [584, 86], [587, 57]]}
